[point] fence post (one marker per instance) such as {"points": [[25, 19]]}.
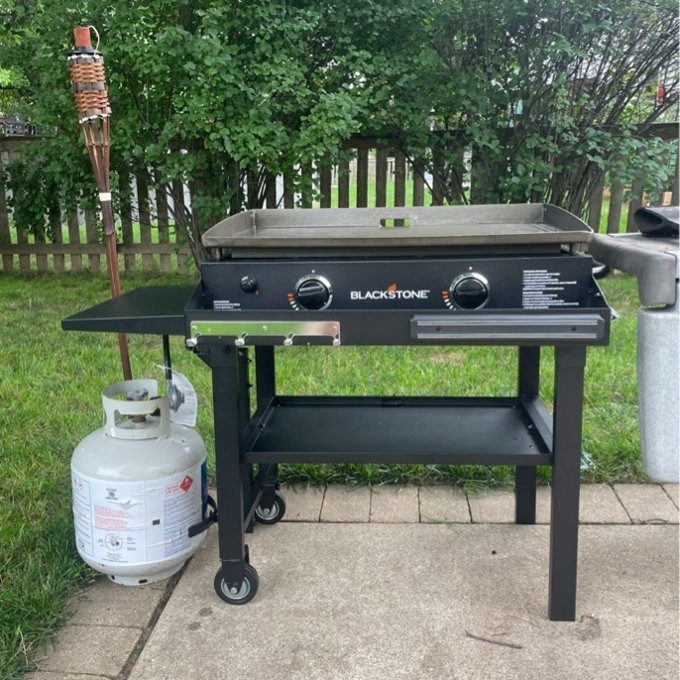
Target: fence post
{"points": [[634, 203], [381, 177], [5, 237], [253, 188], [163, 221], [418, 183], [56, 236], [438, 181], [615, 207], [362, 177], [595, 201], [343, 184], [126, 218], [180, 212], [288, 194], [94, 262], [24, 260], [143, 205], [325, 183], [74, 236], [270, 190], [399, 178]]}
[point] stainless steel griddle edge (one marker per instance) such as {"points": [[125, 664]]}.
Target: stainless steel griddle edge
{"points": [[356, 229]]}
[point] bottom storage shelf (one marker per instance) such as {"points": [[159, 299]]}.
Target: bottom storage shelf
{"points": [[487, 431]]}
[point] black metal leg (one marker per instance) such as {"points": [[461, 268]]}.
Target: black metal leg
{"points": [[227, 393], [269, 485], [525, 495], [529, 371], [264, 375], [243, 414], [567, 431], [265, 382], [525, 477], [242, 389]]}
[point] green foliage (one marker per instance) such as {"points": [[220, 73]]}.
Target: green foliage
{"points": [[542, 95], [222, 96]]}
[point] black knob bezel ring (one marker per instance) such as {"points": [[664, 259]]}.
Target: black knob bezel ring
{"points": [[323, 281]]}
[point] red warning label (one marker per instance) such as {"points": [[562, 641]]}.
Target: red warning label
{"points": [[186, 483]]}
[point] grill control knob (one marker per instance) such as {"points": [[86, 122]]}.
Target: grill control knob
{"points": [[469, 291], [313, 292], [249, 284]]}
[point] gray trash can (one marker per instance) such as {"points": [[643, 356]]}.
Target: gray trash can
{"points": [[655, 261]]}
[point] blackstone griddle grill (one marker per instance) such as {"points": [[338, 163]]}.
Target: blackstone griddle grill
{"points": [[470, 275]]}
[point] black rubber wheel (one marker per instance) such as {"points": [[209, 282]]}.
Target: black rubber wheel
{"points": [[274, 514], [247, 591]]}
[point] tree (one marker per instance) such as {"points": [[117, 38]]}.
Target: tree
{"points": [[222, 96], [226, 95], [544, 94]]}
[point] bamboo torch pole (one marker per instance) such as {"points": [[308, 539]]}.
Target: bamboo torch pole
{"points": [[86, 66]]}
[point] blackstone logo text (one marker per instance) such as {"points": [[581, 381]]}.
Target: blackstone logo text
{"points": [[391, 293]]}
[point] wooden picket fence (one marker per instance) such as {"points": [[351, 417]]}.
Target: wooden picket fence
{"points": [[147, 237], [376, 176]]}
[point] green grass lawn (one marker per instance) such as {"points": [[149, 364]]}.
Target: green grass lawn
{"points": [[50, 396]]}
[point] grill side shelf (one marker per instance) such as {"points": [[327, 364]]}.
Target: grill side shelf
{"points": [[156, 310]]}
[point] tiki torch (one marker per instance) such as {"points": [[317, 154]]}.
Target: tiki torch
{"points": [[86, 66]]}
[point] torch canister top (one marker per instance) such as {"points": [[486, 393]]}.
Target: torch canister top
{"points": [[86, 67]]}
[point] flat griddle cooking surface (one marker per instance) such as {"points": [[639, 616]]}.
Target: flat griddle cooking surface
{"points": [[532, 224]]}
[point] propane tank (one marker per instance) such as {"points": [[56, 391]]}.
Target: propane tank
{"points": [[138, 483]]}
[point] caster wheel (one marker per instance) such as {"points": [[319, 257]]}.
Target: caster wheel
{"points": [[273, 514], [247, 591]]}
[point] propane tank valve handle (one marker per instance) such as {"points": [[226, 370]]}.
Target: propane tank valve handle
{"points": [[137, 394]]}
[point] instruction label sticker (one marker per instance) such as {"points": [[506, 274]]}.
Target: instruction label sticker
{"points": [[226, 306], [544, 289]]}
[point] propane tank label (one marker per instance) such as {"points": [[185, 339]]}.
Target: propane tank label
{"points": [[136, 522]]}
